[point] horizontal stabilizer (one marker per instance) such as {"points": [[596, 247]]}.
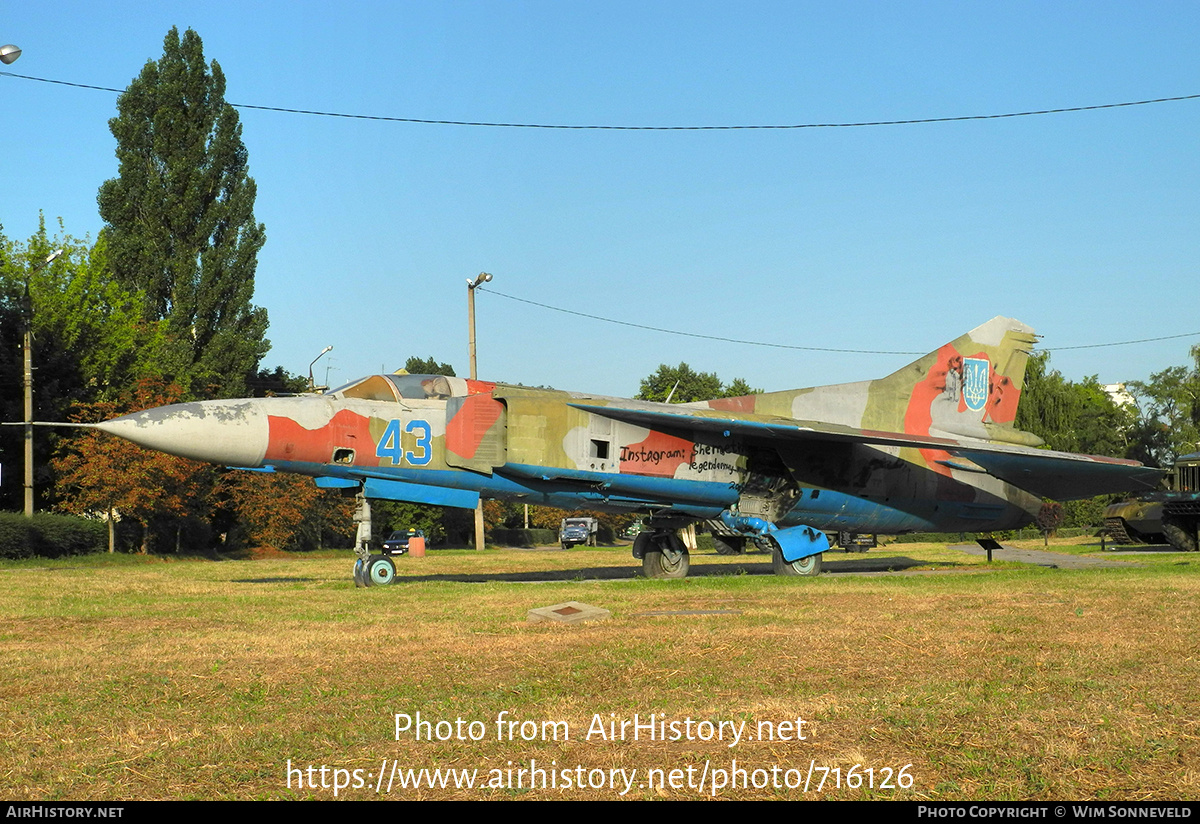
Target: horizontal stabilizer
{"points": [[1064, 476]]}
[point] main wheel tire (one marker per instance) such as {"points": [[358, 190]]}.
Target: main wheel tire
{"points": [[807, 566], [359, 579], [666, 557], [1180, 533], [379, 571], [729, 544]]}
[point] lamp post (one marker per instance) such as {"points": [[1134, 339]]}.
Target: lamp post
{"points": [[312, 386], [27, 346], [480, 279], [9, 54]]}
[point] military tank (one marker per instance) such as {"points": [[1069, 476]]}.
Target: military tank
{"points": [[1181, 506], [1172, 516], [1134, 522]]}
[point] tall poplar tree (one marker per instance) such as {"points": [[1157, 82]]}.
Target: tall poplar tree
{"points": [[180, 217]]}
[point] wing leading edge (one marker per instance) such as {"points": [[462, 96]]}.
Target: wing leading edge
{"points": [[1062, 476]]}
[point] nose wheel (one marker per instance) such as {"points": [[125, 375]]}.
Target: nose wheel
{"points": [[375, 571], [379, 571], [369, 570]]}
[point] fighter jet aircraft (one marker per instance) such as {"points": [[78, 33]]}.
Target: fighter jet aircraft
{"points": [[931, 447]]}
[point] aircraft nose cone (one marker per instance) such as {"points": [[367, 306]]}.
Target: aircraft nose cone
{"points": [[229, 433]]}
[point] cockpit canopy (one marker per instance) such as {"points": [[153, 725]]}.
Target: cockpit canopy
{"points": [[396, 388]]}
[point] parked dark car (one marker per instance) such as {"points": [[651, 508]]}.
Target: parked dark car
{"points": [[397, 542]]}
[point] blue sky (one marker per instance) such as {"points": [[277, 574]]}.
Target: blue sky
{"points": [[1082, 225]]}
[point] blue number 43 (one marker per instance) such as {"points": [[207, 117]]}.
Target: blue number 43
{"points": [[391, 444]]}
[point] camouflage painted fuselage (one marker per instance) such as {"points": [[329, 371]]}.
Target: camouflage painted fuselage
{"points": [[930, 447]]}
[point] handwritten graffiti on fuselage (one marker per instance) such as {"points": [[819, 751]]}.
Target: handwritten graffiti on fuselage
{"points": [[712, 466], [657, 454], [713, 459], [653, 456]]}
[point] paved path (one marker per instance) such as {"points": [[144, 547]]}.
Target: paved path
{"points": [[1040, 557]]}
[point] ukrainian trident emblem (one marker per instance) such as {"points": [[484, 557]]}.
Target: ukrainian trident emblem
{"points": [[976, 374]]}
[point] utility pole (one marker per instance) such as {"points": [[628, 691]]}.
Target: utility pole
{"points": [[27, 346], [481, 278]]}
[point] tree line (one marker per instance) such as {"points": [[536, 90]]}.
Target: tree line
{"points": [[159, 309], [1156, 423]]}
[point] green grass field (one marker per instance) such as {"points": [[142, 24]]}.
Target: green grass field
{"points": [[918, 671]]}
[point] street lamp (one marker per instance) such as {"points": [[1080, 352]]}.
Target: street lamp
{"points": [[27, 345], [312, 386], [9, 54], [480, 279]]}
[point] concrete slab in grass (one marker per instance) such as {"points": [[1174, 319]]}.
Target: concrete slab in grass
{"points": [[570, 612]]}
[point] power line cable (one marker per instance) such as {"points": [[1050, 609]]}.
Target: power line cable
{"points": [[609, 127], [692, 334], [792, 346], [956, 119], [1119, 342]]}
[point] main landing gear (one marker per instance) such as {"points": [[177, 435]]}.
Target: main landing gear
{"points": [[808, 565], [803, 545], [662, 553]]}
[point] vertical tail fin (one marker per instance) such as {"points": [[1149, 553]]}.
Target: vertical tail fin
{"points": [[969, 387]]}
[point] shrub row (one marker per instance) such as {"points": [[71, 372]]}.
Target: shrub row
{"points": [[524, 537], [50, 536], [1027, 533]]}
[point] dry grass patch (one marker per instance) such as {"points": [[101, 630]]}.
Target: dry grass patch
{"points": [[175, 680]]}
